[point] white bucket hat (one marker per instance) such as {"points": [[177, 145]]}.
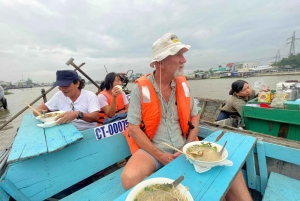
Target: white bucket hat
{"points": [[165, 46]]}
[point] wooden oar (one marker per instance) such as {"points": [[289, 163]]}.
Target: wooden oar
{"points": [[36, 111], [25, 108], [190, 156], [70, 61]]}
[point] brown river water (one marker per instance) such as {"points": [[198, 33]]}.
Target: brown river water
{"points": [[206, 88]]}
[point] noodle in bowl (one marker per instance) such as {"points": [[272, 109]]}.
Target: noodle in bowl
{"points": [[206, 163], [180, 189], [50, 116]]}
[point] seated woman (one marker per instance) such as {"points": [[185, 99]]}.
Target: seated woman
{"points": [[241, 92], [81, 106], [112, 99], [113, 102]]}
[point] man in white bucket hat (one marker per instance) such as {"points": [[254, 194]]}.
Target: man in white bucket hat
{"points": [[161, 110]]}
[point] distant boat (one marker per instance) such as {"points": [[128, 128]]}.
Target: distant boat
{"points": [[3, 103]]}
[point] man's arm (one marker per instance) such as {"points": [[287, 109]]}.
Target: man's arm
{"points": [[144, 143], [194, 132]]}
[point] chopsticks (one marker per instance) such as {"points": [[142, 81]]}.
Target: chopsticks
{"points": [[190, 156], [40, 114]]}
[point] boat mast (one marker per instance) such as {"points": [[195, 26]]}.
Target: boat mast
{"points": [[106, 70]]}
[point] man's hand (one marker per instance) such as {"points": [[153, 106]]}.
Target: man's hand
{"points": [[66, 117], [166, 158]]}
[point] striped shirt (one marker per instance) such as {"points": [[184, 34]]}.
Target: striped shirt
{"points": [[169, 130]]}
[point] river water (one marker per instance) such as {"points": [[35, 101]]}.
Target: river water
{"points": [[206, 88]]}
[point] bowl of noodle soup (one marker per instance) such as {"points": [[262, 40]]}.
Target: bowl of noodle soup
{"points": [[150, 190], [210, 156], [50, 116]]}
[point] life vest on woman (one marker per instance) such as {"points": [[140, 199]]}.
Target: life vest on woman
{"points": [[119, 103], [151, 109]]}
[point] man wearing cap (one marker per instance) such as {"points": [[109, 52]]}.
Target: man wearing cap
{"points": [[161, 110], [81, 106]]}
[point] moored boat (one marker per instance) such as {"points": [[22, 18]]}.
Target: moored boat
{"points": [[279, 122], [3, 103]]}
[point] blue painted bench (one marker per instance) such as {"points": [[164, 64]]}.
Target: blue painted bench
{"points": [[106, 188], [261, 175], [277, 184], [269, 183], [3, 195]]}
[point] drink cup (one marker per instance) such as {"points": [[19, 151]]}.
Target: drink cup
{"points": [[119, 86]]}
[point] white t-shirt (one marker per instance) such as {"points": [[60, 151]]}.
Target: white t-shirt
{"points": [[103, 99], [87, 102]]}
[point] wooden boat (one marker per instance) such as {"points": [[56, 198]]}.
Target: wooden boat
{"points": [[270, 121], [44, 164], [3, 103]]}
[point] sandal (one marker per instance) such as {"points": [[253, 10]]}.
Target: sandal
{"points": [[121, 163], [99, 173]]}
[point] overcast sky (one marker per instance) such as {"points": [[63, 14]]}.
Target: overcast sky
{"points": [[38, 37]]}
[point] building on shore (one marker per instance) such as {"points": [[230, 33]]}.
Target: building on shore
{"points": [[245, 66]]}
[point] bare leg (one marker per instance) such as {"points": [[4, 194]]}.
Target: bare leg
{"points": [[139, 166], [238, 190]]}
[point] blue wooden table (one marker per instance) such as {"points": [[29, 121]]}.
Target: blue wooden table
{"points": [[33, 141], [213, 184]]}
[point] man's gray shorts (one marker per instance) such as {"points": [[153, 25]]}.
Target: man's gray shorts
{"points": [[157, 163]]}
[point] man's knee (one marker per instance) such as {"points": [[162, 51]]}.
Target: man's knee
{"points": [[126, 180], [139, 167]]}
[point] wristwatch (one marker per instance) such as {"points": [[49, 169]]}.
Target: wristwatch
{"points": [[80, 115]]}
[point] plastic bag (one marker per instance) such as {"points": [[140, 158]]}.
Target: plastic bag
{"points": [[261, 85]]}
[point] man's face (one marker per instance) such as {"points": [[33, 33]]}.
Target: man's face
{"points": [[175, 64], [70, 90]]}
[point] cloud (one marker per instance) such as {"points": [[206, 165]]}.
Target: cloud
{"points": [[37, 38]]}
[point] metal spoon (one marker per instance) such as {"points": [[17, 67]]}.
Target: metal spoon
{"points": [[43, 113], [220, 153], [174, 183]]}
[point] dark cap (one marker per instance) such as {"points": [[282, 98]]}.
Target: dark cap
{"points": [[65, 77]]}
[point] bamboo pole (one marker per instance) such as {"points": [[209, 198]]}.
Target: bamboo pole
{"points": [[25, 108]]}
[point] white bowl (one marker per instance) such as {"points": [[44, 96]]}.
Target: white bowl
{"points": [[205, 163], [42, 119], [159, 180]]}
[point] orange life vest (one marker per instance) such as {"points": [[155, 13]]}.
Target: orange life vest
{"points": [[151, 109], [119, 102]]}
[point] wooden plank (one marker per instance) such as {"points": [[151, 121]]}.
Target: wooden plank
{"points": [[251, 171], [58, 137], [281, 187], [29, 142], [3, 195], [283, 153], [262, 164], [204, 132], [213, 136], [272, 114], [238, 151], [42, 177], [13, 191], [107, 188]]}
